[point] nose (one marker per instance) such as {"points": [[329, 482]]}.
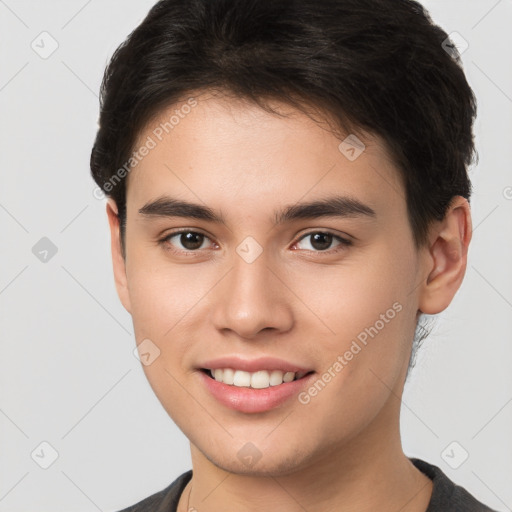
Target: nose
{"points": [[252, 298]]}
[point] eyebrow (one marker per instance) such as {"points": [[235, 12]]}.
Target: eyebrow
{"points": [[334, 206]]}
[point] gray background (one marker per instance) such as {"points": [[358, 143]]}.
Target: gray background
{"points": [[68, 376]]}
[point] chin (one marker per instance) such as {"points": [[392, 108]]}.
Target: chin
{"points": [[278, 464]]}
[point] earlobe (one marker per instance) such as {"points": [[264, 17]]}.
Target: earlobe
{"points": [[447, 258], [118, 262]]}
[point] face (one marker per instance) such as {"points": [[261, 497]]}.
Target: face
{"points": [[250, 279]]}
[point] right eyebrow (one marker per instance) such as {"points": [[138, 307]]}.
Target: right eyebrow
{"points": [[166, 206]]}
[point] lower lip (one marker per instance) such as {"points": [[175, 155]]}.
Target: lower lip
{"points": [[252, 400]]}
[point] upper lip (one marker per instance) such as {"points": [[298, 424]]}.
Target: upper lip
{"points": [[253, 365]]}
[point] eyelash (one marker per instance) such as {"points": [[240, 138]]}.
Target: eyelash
{"points": [[344, 243]]}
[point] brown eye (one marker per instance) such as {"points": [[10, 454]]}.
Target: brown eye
{"points": [[191, 240], [185, 240], [321, 241]]}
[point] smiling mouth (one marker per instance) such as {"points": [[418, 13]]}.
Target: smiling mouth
{"points": [[257, 380]]}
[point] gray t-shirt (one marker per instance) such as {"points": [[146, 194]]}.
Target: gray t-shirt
{"points": [[446, 495]]}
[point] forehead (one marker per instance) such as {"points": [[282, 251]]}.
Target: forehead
{"points": [[219, 148]]}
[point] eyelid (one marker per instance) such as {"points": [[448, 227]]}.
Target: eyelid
{"points": [[327, 231]]}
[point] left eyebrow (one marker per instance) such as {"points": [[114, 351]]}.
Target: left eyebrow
{"points": [[334, 206]]}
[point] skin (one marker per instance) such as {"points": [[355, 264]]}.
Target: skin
{"points": [[342, 450]]}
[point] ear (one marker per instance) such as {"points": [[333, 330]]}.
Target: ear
{"points": [[118, 262], [447, 258]]}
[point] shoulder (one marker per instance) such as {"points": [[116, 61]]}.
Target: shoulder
{"points": [[446, 495], [164, 500]]}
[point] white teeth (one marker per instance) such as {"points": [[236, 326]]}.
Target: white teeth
{"points": [[288, 376], [276, 378], [242, 379], [257, 380], [260, 380], [228, 376]]}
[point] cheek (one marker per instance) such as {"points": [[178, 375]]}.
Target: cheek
{"points": [[351, 297], [363, 358], [162, 293], [367, 323]]}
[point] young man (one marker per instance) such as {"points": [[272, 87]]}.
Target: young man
{"points": [[288, 194]]}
